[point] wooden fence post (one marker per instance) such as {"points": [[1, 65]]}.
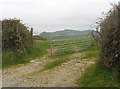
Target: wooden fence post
{"points": [[31, 32]]}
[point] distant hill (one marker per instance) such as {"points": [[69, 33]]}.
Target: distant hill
{"points": [[65, 33]]}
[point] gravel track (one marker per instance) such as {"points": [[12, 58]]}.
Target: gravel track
{"points": [[33, 75]]}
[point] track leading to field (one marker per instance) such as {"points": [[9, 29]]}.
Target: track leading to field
{"points": [[33, 75]]}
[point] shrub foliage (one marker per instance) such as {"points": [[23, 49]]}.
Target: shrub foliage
{"points": [[110, 39], [15, 35]]}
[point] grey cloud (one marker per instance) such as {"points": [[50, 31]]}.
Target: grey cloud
{"points": [[76, 14]]}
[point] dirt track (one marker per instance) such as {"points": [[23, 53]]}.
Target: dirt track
{"points": [[32, 75]]}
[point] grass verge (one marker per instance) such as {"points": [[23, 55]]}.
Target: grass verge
{"points": [[96, 76], [91, 52], [14, 57]]}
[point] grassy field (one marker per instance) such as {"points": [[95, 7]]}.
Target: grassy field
{"points": [[19, 57]]}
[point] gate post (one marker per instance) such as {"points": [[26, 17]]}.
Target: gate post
{"points": [[90, 39], [74, 44], [51, 46]]}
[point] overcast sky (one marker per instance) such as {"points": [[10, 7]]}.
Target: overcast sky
{"points": [[53, 15]]}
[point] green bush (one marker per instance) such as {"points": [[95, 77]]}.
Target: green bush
{"points": [[110, 39], [15, 35]]}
